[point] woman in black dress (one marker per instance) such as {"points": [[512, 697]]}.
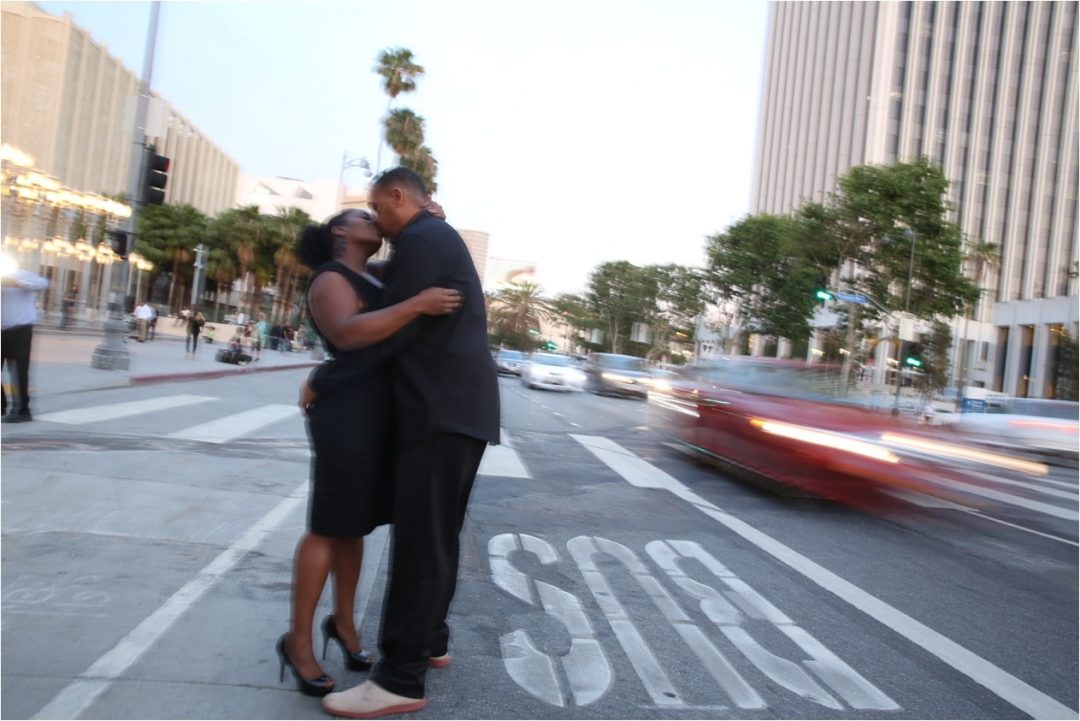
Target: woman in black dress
{"points": [[349, 430]]}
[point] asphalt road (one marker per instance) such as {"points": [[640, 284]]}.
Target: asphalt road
{"points": [[148, 533]]}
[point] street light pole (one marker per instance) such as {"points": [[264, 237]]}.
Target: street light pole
{"points": [[112, 353], [347, 162]]}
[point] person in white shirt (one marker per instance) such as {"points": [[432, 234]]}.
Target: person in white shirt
{"points": [[17, 317], [143, 314]]}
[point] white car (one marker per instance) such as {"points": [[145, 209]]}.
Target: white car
{"points": [[1030, 423], [552, 371]]}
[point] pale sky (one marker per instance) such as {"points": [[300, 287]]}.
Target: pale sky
{"points": [[573, 131]]}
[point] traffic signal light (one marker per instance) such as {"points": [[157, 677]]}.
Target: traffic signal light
{"points": [[915, 356], [155, 177], [822, 293], [119, 241]]}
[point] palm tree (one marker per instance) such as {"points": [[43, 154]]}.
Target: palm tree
{"points": [[399, 74], [288, 224], [517, 310], [398, 71], [404, 132], [246, 231], [423, 163]]}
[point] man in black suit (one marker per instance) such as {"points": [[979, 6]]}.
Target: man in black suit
{"points": [[446, 399]]}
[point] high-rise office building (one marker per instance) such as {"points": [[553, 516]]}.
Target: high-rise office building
{"points": [[477, 243], [988, 90]]}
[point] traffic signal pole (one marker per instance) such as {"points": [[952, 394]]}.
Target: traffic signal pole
{"points": [[112, 353]]}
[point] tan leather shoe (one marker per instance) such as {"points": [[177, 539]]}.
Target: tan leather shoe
{"points": [[369, 700], [439, 661]]}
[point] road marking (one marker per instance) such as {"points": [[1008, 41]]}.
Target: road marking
{"points": [[225, 429], [1029, 486], [1010, 499], [503, 461], [575, 425], [1020, 694], [78, 695], [925, 501], [112, 411]]}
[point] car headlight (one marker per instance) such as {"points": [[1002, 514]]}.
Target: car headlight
{"points": [[614, 377], [661, 385]]}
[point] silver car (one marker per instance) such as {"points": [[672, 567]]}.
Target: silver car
{"points": [[510, 362]]}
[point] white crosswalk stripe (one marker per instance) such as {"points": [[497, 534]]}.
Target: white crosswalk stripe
{"points": [[112, 411], [233, 426]]}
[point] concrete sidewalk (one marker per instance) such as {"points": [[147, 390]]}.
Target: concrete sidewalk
{"points": [[60, 360]]}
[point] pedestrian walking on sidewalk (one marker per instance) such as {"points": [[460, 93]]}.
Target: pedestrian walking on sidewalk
{"points": [[68, 307], [446, 400], [18, 315], [350, 430], [151, 326], [195, 323]]}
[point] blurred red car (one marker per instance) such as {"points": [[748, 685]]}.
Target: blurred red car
{"points": [[779, 423]]}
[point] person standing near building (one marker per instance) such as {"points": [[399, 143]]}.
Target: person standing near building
{"points": [[18, 315], [143, 314], [68, 308], [152, 324]]}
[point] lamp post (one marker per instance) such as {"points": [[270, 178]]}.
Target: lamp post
{"points": [[112, 353], [346, 163]]}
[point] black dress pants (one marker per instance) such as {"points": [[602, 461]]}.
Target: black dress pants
{"points": [[432, 482], [15, 348]]}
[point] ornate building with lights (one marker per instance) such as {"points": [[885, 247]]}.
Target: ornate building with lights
{"points": [[66, 111]]}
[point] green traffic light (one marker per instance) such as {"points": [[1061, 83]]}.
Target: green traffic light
{"points": [[823, 295], [914, 362]]}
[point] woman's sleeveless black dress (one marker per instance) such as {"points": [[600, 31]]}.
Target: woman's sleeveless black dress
{"points": [[350, 428]]}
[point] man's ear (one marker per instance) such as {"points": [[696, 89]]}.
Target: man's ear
{"points": [[398, 196]]}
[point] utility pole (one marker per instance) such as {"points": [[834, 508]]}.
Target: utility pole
{"points": [[112, 353]]}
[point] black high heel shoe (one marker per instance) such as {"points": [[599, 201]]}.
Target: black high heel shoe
{"points": [[359, 661], [315, 687]]}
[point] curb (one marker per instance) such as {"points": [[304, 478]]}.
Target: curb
{"points": [[199, 375]]}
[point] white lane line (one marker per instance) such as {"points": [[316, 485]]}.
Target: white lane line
{"points": [[575, 425], [1028, 485], [226, 429], [111, 411], [925, 501], [503, 461], [78, 695], [1011, 499], [1020, 694]]}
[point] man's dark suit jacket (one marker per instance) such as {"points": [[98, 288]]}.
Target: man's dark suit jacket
{"points": [[444, 378]]}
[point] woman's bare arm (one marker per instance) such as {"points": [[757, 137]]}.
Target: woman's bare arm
{"points": [[337, 313]]}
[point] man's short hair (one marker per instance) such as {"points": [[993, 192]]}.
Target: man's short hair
{"points": [[403, 178]]}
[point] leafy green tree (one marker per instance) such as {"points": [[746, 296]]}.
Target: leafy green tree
{"points": [[620, 294], [892, 220], [1067, 367], [682, 294], [763, 263], [935, 370], [572, 312], [167, 236]]}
